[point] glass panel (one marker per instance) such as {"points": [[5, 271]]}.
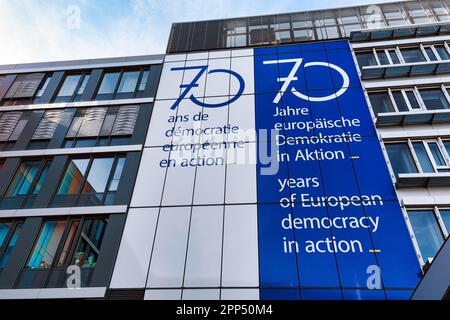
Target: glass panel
{"points": [[4, 257], [412, 100], [366, 59], [69, 86], [401, 158], [98, 175], [45, 248], [412, 55], [447, 146], [383, 58], [443, 53], [434, 99], [73, 177], [128, 82], [109, 83], [422, 155], [117, 174], [427, 232], [68, 245], [83, 84], [400, 101], [4, 230], [23, 179], [436, 152], [42, 178], [44, 86], [394, 57], [445, 214], [144, 79], [381, 102], [88, 247], [430, 54]]}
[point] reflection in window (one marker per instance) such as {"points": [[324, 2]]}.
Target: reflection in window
{"points": [[109, 83], [366, 59], [69, 86], [29, 178], [8, 241], [422, 155], [427, 232], [128, 82], [381, 102], [401, 158], [445, 214], [413, 55], [434, 99], [88, 247], [73, 177], [98, 175], [44, 250]]}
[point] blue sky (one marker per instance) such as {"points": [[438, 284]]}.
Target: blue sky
{"points": [[45, 30]]}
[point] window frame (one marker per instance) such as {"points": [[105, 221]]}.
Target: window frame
{"points": [[14, 225], [73, 97]]}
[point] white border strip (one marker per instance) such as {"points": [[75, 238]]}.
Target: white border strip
{"points": [[64, 211], [56, 293]]}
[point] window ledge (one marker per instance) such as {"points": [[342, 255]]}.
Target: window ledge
{"points": [[423, 179], [405, 69], [394, 32], [413, 117], [58, 293]]}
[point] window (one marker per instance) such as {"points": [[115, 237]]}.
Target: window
{"points": [[401, 158], [442, 52], [427, 232], [9, 234], [102, 126], [366, 59], [61, 243], [91, 181], [24, 89], [412, 55], [434, 99], [381, 102], [42, 87], [445, 214], [123, 84], [72, 88]]}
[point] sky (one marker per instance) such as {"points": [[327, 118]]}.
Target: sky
{"points": [[50, 30]]}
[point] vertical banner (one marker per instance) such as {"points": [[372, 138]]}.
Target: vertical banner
{"points": [[329, 221]]}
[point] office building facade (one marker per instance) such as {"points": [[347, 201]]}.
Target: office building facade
{"points": [[301, 156]]}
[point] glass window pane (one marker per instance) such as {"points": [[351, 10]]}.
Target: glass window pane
{"points": [[430, 54], [83, 84], [69, 86], [412, 55], [144, 79], [98, 175], [434, 99], [88, 247], [443, 53], [412, 100], [445, 214], [366, 59], [45, 248], [128, 82], [437, 155], [400, 101], [447, 147], [40, 182], [394, 56], [383, 57], [73, 177], [4, 256], [401, 158], [68, 245], [44, 86], [4, 230], [381, 102], [427, 232], [109, 83], [117, 174], [23, 179], [422, 155]]}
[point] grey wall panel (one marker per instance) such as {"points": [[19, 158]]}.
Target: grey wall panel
{"points": [[52, 87], [108, 252], [142, 123], [29, 130], [91, 87], [129, 173], [153, 80], [20, 253], [6, 84], [51, 183], [8, 170]]}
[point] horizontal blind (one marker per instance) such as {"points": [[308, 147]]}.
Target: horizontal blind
{"points": [[125, 120], [92, 122], [25, 85], [8, 122], [48, 124]]}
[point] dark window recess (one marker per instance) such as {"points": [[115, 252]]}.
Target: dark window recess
{"points": [[70, 242], [89, 181], [9, 234], [26, 184], [123, 84], [102, 126]]}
